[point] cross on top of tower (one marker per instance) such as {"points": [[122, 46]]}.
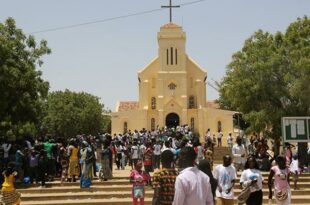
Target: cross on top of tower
{"points": [[170, 8]]}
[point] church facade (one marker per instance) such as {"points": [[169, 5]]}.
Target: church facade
{"points": [[172, 92]]}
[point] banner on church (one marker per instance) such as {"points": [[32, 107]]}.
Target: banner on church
{"points": [[296, 129]]}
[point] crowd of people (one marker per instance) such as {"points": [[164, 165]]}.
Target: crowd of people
{"points": [[182, 165]]}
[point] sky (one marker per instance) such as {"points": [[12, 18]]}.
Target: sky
{"points": [[103, 58]]}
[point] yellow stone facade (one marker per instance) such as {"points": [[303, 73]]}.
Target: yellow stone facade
{"points": [[172, 91]]}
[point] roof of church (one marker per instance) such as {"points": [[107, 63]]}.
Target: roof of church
{"points": [[128, 105], [213, 104], [170, 25]]}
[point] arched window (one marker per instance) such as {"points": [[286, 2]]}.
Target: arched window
{"points": [[192, 124], [125, 127], [153, 124], [191, 102], [153, 103], [219, 126]]}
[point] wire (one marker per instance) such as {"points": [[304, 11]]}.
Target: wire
{"points": [[108, 19], [192, 2]]}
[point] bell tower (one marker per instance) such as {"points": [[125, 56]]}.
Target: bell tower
{"points": [[171, 41]]}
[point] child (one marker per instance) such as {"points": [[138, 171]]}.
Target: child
{"points": [[295, 170], [9, 195], [138, 178]]}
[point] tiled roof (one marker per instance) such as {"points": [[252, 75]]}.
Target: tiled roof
{"points": [[213, 104], [128, 105]]}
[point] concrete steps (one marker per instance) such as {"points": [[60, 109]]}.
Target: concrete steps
{"points": [[118, 192], [112, 201], [297, 200], [219, 152], [83, 195]]}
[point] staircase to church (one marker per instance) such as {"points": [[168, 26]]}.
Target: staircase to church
{"points": [[118, 191], [218, 154]]}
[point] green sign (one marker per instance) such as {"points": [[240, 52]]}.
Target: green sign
{"points": [[296, 129]]}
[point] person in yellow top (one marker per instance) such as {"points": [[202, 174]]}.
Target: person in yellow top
{"points": [[74, 169], [9, 195]]}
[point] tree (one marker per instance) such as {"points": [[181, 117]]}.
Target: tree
{"points": [[69, 114], [21, 86], [269, 78]]}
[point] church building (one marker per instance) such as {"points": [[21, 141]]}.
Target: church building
{"points": [[172, 92]]}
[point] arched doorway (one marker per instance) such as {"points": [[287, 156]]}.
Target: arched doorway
{"points": [[172, 120]]}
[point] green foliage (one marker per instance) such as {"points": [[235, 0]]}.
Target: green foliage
{"points": [[21, 86], [69, 114], [269, 78]]}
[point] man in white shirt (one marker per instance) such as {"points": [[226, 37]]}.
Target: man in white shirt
{"points": [[120, 137], [219, 138], [157, 152], [239, 153], [230, 141], [134, 154], [225, 175], [192, 186], [208, 136], [142, 149], [135, 135], [167, 146], [6, 150]]}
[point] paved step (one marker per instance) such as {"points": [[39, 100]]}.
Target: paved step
{"points": [[117, 191], [264, 173], [300, 200], [114, 194], [112, 201], [124, 181], [82, 196], [295, 200], [121, 184], [75, 189]]}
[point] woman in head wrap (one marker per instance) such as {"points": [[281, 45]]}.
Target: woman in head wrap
{"points": [[86, 161]]}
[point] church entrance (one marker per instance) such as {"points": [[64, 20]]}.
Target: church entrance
{"points": [[172, 120]]}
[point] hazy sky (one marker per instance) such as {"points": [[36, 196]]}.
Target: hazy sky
{"points": [[104, 58]]}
